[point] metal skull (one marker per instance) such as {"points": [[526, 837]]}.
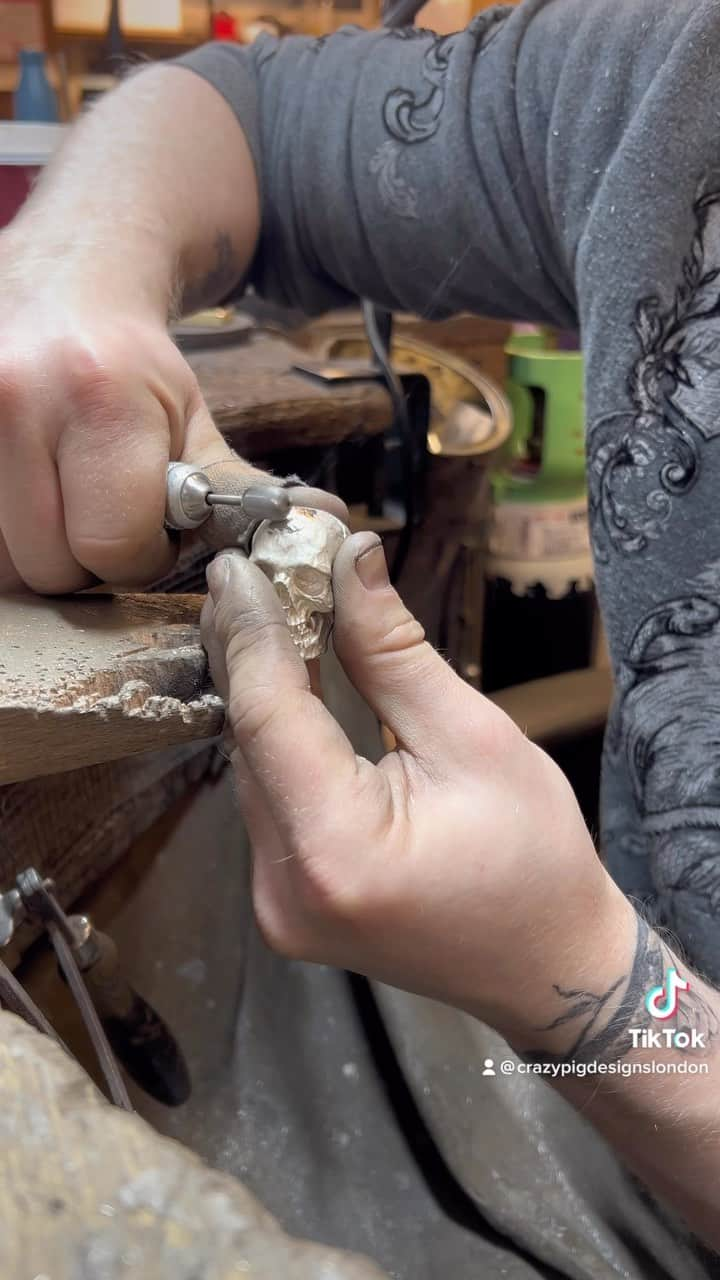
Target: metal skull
{"points": [[297, 555]]}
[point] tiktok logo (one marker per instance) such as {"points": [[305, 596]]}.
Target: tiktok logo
{"points": [[662, 1002]]}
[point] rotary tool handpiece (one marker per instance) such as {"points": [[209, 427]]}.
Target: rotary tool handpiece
{"points": [[191, 499]]}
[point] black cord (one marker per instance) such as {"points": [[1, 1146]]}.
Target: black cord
{"points": [[319, 474], [441, 1182], [445, 619], [401, 14], [402, 423]]}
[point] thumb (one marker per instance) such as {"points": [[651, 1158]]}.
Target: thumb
{"points": [[384, 652], [207, 449]]}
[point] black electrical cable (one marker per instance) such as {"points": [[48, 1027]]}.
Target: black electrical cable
{"points": [[401, 14], [318, 475], [402, 423], [448, 1193], [445, 617]]}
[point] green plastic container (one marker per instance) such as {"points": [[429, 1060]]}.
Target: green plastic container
{"points": [[545, 456], [539, 601]]}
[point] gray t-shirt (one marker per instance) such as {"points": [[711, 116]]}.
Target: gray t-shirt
{"points": [[559, 162]]}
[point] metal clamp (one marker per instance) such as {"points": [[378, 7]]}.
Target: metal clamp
{"points": [[119, 1022]]}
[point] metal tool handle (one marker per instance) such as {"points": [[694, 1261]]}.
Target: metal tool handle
{"points": [[120, 1023], [186, 502], [93, 1025], [138, 1036]]}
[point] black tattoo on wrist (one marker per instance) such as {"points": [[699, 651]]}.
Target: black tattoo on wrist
{"points": [[605, 1023], [218, 281]]}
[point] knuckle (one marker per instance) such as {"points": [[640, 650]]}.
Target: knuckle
{"points": [[98, 403], [77, 355], [500, 735], [123, 549], [238, 630], [399, 653], [489, 735], [79, 360], [133, 557], [406, 634], [250, 631], [401, 666], [95, 383], [252, 712]]}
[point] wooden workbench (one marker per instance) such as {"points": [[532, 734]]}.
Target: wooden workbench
{"points": [[88, 680], [262, 406]]}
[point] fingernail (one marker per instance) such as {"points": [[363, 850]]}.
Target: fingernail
{"points": [[217, 574], [371, 568]]}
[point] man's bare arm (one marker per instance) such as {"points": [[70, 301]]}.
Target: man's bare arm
{"points": [[154, 196], [650, 1083], [152, 204]]}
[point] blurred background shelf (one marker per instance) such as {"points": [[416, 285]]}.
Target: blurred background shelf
{"points": [[73, 33]]}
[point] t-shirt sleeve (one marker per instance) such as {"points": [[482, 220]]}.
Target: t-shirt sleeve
{"points": [[440, 173], [391, 166]]}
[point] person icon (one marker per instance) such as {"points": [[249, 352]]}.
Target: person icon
{"points": [[489, 1067]]}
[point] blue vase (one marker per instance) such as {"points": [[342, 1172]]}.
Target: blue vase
{"points": [[34, 98]]}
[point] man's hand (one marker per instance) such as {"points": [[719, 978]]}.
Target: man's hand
{"points": [[130, 219], [93, 405], [457, 867]]}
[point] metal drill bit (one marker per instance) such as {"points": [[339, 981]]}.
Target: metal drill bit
{"points": [[259, 501]]}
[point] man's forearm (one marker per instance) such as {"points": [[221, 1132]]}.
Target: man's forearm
{"points": [[153, 199], [649, 1082]]}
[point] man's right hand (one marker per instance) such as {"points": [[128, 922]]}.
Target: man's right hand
{"points": [[130, 218], [94, 402]]}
